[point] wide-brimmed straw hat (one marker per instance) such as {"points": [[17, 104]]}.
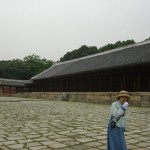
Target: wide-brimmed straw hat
{"points": [[123, 93]]}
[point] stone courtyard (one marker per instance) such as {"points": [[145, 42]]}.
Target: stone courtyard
{"points": [[62, 125]]}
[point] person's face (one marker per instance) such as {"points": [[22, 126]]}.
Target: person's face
{"points": [[123, 99]]}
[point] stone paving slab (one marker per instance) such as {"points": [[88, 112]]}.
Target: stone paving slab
{"points": [[62, 125]]}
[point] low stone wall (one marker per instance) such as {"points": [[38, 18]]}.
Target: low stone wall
{"points": [[137, 98]]}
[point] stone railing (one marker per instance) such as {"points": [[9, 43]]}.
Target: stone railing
{"points": [[137, 98]]}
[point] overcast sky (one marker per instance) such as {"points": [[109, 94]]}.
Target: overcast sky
{"points": [[50, 28]]}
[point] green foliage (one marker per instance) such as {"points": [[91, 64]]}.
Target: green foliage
{"points": [[12, 69], [23, 69], [81, 52], [116, 45], [34, 64], [86, 50]]}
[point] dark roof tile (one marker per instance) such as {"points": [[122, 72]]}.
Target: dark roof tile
{"points": [[12, 82]]}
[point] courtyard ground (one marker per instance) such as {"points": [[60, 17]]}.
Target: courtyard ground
{"points": [[61, 125]]}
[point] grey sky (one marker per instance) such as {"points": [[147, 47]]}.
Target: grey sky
{"points": [[50, 28]]}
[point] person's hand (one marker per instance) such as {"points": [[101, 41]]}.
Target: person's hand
{"points": [[125, 105]]}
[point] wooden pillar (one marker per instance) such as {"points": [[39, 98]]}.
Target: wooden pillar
{"points": [[123, 81], [67, 85], [38, 86], [49, 85], [110, 89], [138, 80], [45, 86], [90, 85], [100, 83], [60, 85], [81, 84], [73, 82], [41, 86]]}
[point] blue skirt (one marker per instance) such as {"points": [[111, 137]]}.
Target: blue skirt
{"points": [[115, 138]]}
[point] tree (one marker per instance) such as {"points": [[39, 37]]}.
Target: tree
{"points": [[81, 52], [34, 64], [116, 45], [12, 69], [23, 69]]}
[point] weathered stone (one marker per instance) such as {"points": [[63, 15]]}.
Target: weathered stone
{"points": [[9, 142], [33, 144], [2, 140], [53, 144], [65, 125], [84, 140], [16, 146], [38, 148]]}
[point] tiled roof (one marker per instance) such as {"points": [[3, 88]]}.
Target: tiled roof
{"points": [[126, 56], [12, 82]]}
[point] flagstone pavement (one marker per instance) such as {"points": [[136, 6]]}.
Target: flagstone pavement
{"points": [[62, 125]]}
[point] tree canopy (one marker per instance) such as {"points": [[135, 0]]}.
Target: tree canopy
{"points": [[23, 69], [82, 51], [89, 50]]}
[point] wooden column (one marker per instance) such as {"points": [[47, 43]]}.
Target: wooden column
{"points": [[90, 87], [110, 82], [123, 81], [138, 80], [100, 83]]}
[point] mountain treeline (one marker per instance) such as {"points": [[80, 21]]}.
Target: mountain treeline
{"points": [[89, 50], [23, 69]]}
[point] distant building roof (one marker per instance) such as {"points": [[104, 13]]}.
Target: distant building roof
{"points": [[135, 54], [12, 82]]}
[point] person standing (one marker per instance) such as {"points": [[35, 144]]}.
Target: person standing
{"points": [[117, 123]]}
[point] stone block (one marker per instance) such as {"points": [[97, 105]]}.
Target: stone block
{"points": [[145, 100], [137, 98]]}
